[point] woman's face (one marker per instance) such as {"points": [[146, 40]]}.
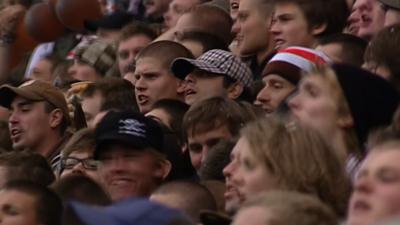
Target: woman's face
{"points": [[17, 208], [376, 195], [253, 173], [316, 104]]}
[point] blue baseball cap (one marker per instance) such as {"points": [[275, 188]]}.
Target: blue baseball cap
{"points": [[135, 211]]}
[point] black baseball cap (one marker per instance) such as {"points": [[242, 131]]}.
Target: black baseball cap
{"points": [[129, 128]]}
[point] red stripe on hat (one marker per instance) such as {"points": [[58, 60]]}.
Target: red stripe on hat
{"points": [[305, 54]]}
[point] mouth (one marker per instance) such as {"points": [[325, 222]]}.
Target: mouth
{"points": [[142, 99], [279, 43], [360, 206], [15, 133], [189, 92], [121, 182]]}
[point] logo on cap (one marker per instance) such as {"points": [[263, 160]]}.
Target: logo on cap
{"points": [[131, 127]]}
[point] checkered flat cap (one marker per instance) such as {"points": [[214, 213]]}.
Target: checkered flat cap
{"points": [[215, 61]]}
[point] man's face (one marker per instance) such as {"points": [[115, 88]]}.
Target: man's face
{"points": [[29, 124], [201, 85], [91, 107], [154, 82], [233, 198], [128, 172], [128, 49], [175, 10], [156, 8], [290, 27], [376, 195], [251, 28], [42, 71], [372, 18], [275, 90], [200, 143], [83, 71]]}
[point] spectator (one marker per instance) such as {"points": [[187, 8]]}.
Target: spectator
{"points": [[134, 37], [283, 72], [25, 165], [93, 62], [154, 79], [216, 73], [44, 69], [374, 200], [381, 55], [343, 48], [200, 42], [110, 93], [285, 208], [130, 149], [372, 18], [209, 121], [263, 167], [30, 203], [39, 118], [307, 21], [77, 155], [252, 34], [341, 110], [176, 9], [189, 197]]}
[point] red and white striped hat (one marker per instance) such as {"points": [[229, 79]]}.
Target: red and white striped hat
{"points": [[291, 62]]}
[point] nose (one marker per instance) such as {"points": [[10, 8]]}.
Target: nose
{"points": [[236, 27], [78, 169], [229, 169], [275, 28], [140, 84], [13, 118], [263, 95], [363, 184], [204, 154], [294, 102]]}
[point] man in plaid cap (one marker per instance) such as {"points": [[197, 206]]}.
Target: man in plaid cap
{"points": [[39, 118], [216, 73]]}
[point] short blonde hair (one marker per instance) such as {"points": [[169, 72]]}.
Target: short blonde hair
{"points": [[301, 160]]}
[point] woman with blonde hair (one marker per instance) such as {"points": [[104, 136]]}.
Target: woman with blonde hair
{"points": [[344, 103], [274, 155]]}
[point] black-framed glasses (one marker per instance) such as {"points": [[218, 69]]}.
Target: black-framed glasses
{"points": [[88, 163]]}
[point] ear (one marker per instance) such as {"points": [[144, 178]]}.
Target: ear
{"points": [[163, 170], [56, 117], [235, 90], [180, 87], [345, 121], [318, 29]]}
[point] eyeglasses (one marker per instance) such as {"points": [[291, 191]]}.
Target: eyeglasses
{"points": [[88, 163]]}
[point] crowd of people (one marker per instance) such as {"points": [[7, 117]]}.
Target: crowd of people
{"points": [[180, 112]]}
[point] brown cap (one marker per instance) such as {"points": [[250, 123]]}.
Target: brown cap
{"points": [[35, 91]]}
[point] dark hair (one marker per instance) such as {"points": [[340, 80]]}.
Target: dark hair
{"points": [[165, 52], [5, 140], [27, 165], [194, 197], [246, 95], [213, 113], [176, 110], [117, 94], [81, 188], [82, 140], [48, 108], [384, 50], [332, 13], [48, 205], [353, 47], [137, 28], [207, 40]]}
